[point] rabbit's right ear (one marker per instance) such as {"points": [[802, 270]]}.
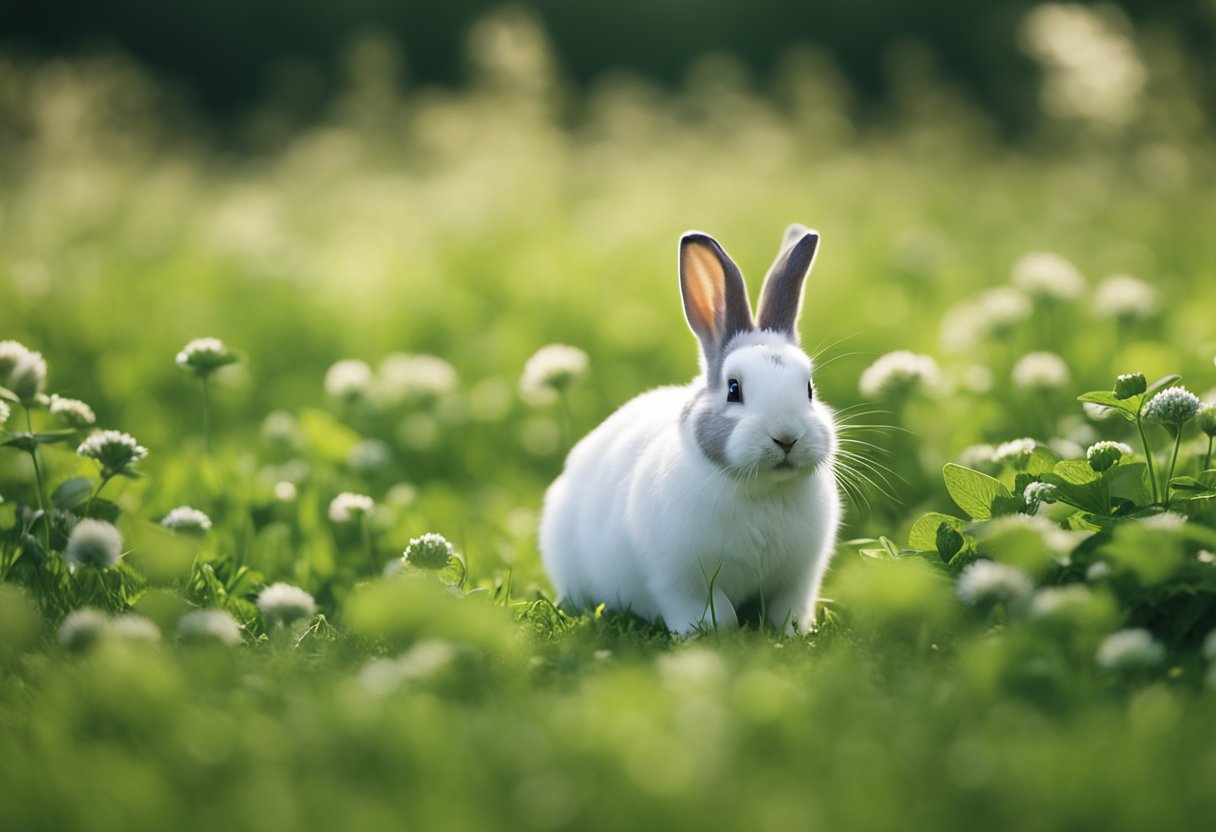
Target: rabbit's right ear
{"points": [[715, 297]]}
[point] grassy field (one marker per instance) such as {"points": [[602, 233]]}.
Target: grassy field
{"points": [[1017, 627]]}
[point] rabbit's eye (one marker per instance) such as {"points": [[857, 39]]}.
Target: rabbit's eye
{"points": [[810, 391], [734, 391]]}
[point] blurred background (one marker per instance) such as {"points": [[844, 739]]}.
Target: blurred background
{"points": [[315, 182]]}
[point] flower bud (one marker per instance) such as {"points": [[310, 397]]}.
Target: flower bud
{"points": [[1130, 384]]}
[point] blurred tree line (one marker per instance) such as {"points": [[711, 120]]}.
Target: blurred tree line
{"points": [[228, 56]]}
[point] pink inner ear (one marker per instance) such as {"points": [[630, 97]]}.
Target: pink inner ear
{"points": [[705, 281]]}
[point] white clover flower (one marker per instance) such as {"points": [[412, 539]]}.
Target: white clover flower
{"points": [[369, 456], [977, 456], [1044, 274], [72, 411], [1059, 601], [1209, 646], [1103, 455], [1166, 521], [282, 603], [1002, 309], [550, 371], [281, 429], [187, 520], [1037, 493], [203, 356], [131, 627], [1130, 649], [430, 551], [405, 377], [28, 377], [285, 491], [1040, 372], [1126, 297], [347, 507], [1014, 450], [1097, 571], [10, 353], [82, 628], [5, 412], [1093, 72], [199, 626], [899, 373], [349, 379], [989, 582], [114, 450], [1172, 406], [93, 543]]}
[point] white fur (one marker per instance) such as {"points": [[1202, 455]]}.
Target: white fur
{"points": [[641, 519]]}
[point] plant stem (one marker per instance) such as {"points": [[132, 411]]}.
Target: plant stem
{"points": [[206, 414], [1148, 456], [1207, 460], [1173, 462], [567, 421], [46, 517], [105, 478], [367, 540]]}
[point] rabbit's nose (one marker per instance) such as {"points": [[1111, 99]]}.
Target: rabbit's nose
{"points": [[785, 442]]}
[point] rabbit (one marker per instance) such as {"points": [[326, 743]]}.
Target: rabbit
{"points": [[690, 501]]}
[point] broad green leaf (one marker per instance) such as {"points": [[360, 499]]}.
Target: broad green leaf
{"points": [[1127, 408], [1079, 485], [9, 395], [72, 492], [1191, 485], [976, 493], [49, 437], [1128, 481], [923, 535], [1164, 381]]}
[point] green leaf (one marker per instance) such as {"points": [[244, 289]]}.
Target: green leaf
{"points": [[1190, 484], [9, 395], [1128, 481], [1127, 408], [1081, 486], [49, 437], [1164, 381], [976, 493], [72, 492], [923, 535]]}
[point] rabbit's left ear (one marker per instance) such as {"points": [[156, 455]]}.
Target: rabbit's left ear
{"points": [[781, 296]]}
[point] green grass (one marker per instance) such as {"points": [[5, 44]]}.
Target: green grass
{"points": [[478, 228]]}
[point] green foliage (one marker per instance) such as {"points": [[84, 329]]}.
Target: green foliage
{"points": [[442, 240]]}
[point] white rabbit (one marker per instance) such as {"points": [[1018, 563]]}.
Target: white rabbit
{"points": [[691, 501]]}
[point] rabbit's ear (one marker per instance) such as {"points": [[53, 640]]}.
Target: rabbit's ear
{"points": [[715, 297], [781, 296]]}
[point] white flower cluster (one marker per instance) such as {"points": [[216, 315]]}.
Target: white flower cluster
{"points": [[1126, 297], [1037, 493], [1172, 406], [430, 551], [989, 582], [93, 543], [72, 411], [1129, 650], [899, 373], [1040, 372], [204, 356], [203, 626], [995, 312], [86, 626], [114, 450], [347, 507], [282, 603], [21, 370], [1014, 450], [349, 379], [550, 371], [1044, 274], [186, 520], [405, 377]]}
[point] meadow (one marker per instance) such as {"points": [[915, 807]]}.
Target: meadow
{"points": [[206, 618]]}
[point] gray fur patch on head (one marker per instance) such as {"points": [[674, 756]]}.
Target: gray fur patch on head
{"points": [[712, 430], [776, 359]]}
